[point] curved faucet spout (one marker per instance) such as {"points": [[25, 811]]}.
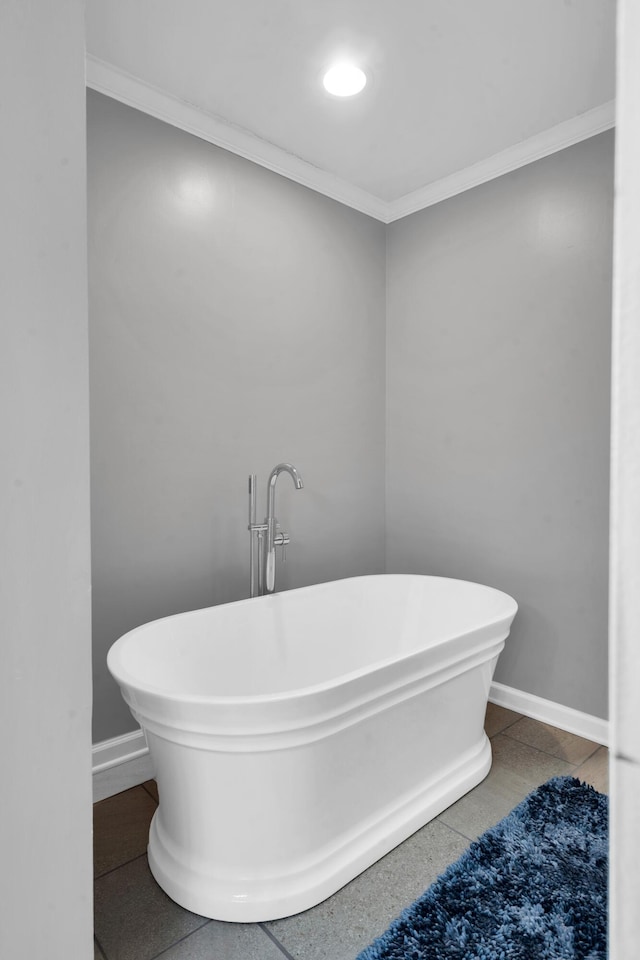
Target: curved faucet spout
{"points": [[271, 523], [271, 484]]}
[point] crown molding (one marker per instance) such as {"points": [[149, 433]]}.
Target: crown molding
{"points": [[115, 83], [535, 148]]}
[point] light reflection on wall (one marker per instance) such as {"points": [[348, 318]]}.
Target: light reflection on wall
{"points": [[194, 193], [559, 223]]}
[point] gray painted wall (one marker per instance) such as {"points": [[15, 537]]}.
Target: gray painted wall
{"points": [[45, 681], [499, 306], [236, 320]]}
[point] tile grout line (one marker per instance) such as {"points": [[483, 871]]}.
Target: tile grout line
{"points": [[502, 729], [181, 939], [125, 864], [275, 940], [572, 763], [600, 746], [453, 829], [100, 947], [143, 785]]}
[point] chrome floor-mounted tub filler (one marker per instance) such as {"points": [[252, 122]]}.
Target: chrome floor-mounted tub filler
{"points": [[265, 537]]}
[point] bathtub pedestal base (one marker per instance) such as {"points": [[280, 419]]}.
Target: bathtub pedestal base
{"points": [[200, 888]]}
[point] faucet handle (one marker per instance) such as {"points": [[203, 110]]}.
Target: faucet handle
{"points": [[281, 540]]}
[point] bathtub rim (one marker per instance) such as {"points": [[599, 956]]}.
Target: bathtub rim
{"points": [[304, 720], [124, 678]]}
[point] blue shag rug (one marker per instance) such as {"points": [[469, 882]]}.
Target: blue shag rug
{"points": [[534, 887]]}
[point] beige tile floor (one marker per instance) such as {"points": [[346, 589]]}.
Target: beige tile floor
{"points": [[135, 920]]}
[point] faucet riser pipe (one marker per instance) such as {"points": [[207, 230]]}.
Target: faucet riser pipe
{"points": [[252, 538]]}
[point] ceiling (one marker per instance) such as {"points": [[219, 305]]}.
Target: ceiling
{"points": [[458, 90]]}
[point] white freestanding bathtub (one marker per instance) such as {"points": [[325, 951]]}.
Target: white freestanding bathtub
{"points": [[298, 737]]}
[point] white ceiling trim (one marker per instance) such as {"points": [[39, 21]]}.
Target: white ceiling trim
{"points": [[541, 145], [134, 92]]}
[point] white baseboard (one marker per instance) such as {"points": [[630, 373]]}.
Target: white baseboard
{"points": [[110, 753], [120, 763], [565, 718]]}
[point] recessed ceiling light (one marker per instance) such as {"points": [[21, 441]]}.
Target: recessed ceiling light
{"points": [[344, 80]]}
